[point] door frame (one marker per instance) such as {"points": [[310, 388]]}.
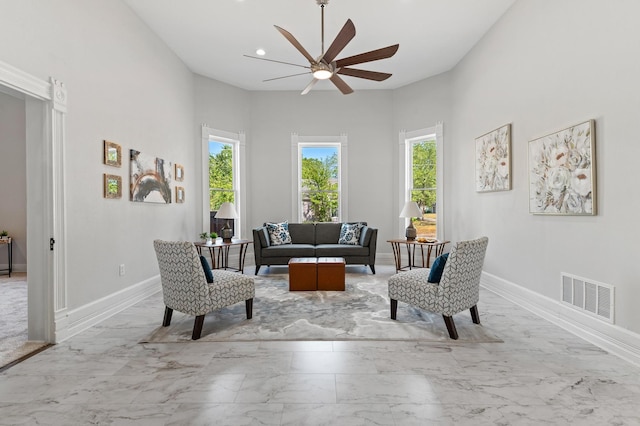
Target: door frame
{"points": [[46, 109]]}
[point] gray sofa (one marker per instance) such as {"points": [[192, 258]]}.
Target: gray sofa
{"points": [[315, 240]]}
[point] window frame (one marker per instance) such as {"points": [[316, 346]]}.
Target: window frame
{"points": [[406, 141], [238, 143], [299, 142]]}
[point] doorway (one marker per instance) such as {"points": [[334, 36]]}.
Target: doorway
{"points": [[45, 111]]}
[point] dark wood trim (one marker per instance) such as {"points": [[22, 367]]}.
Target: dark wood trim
{"points": [[451, 327], [197, 327], [475, 316], [167, 316]]}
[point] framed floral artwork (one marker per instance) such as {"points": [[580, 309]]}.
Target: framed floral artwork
{"points": [[112, 186], [562, 172], [112, 154], [493, 160]]}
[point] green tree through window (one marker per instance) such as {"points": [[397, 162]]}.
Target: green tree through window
{"points": [[320, 196], [424, 181], [220, 174]]}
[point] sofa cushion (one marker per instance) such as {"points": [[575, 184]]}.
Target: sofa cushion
{"points": [[289, 250], [365, 236], [263, 235], [279, 233], [341, 250], [302, 233], [350, 234], [327, 232]]}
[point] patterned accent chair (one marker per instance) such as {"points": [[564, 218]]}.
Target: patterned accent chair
{"points": [[185, 288], [458, 290]]}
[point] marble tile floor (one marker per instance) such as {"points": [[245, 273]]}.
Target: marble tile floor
{"points": [[539, 375]]}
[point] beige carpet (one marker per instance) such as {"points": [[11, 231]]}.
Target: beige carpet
{"points": [[13, 320], [359, 313]]}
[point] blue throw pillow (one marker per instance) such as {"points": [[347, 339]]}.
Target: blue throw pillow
{"points": [[436, 269], [279, 233], [207, 269], [350, 234]]}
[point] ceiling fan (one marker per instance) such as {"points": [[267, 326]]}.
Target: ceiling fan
{"points": [[326, 67]]}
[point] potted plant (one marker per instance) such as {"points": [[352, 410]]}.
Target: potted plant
{"points": [[213, 237], [204, 237], [4, 235]]}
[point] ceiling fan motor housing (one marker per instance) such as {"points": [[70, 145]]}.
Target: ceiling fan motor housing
{"points": [[322, 2]]}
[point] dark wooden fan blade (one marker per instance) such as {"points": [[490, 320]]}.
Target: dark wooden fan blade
{"points": [[286, 76], [295, 43], [341, 85], [369, 75], [374, 55], [346, 34], [279, 62], [309, 86]]}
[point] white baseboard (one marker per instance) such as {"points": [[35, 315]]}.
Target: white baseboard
{"points": [[71, 322], [610, 337]]}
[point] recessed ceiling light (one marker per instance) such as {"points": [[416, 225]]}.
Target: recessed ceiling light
{"points": [[260, 52]]}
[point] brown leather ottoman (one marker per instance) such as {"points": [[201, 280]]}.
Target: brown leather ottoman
{"points": [[331, 273], [302, 274]]}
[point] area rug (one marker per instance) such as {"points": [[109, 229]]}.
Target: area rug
{"points": [[361, 312], [13, 320]]}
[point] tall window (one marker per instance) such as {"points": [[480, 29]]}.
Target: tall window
{"points": [[222, 178], [423, 184], [423, 176], [220, 174], [319, 186], [320, 191]]}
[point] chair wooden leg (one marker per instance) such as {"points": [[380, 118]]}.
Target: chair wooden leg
{"points": [[257, 269], [394, 308], [474, 314], [373, 269], [249, 307], [167, 316], [197, 327], [451, 327]]}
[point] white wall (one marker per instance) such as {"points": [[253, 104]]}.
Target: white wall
{"points": [[365, 116], [13, 179], [123, 85], [544, 66]]}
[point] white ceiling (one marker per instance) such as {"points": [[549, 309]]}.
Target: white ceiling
{"points": [[211, 36]]}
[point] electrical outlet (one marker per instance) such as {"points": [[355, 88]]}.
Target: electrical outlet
{"points": [[122, 269]]}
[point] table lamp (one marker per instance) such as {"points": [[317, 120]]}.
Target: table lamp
{"points": [[411, 210], [226, 211]]}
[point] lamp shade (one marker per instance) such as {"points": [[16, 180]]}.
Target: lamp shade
{"points": [[411, 209], [227, 211]]}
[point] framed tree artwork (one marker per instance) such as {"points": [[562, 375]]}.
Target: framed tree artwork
{"points": [[179, 194], [112, 186], [562, 172], [112, 154], [179, 173]]}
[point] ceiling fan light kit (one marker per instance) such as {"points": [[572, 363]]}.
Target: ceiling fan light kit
{"points": [[325, 67]]}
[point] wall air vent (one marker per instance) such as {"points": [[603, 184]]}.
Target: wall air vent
{"points": [[589, 296]]}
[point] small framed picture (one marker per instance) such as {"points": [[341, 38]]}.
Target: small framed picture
{"points": [[179, 194], [112, 186], [179, 173], [112, 154]]}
